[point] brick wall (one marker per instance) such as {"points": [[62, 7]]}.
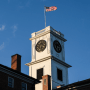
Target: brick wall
{"points": [[17, 83], [16, 62]]}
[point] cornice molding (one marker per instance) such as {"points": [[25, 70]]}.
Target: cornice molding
{"points": [[46, 32], [38, 61], [47, 58], [61, 62], [14, 74]]}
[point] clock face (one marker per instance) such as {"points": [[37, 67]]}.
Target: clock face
{"points": [[40, 46], [57, 46]]}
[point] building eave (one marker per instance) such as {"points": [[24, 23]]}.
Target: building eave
{"points": [[17, 74]]}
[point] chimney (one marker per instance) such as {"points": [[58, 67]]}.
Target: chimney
{"points": [[46, 82], [16, 62]]}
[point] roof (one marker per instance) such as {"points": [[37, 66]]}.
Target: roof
{"points": [[75, 85], [18, 74]]}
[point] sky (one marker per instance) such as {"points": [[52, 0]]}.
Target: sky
{"points": [[20, 18]]}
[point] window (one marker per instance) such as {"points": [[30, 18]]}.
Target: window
{"points": [[24, 86], [39, 73], [10, 82], [44, 81], [59, 74]]}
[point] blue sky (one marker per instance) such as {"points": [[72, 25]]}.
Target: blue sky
{"points": [[19, 18]]}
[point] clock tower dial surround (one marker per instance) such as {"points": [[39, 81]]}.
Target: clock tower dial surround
{"points": [[47, 42]]}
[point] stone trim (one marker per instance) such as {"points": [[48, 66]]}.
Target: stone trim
{"points": [[47, 58], [49, 31]]}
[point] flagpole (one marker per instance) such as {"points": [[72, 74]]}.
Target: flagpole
{"points": [[45, 15]]}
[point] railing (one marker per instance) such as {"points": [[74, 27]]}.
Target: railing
{"points": [[40, 31]]}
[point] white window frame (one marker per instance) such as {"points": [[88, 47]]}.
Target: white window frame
{"points": [[24, 83], [12, 82]]}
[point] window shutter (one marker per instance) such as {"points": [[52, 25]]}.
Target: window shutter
{"points": [[39, 73], [59, 74]]}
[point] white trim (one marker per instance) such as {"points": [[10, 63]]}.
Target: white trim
{"points": [[48, 58], [46, 32]]}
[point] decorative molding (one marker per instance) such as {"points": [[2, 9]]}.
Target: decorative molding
{"points": [[38, 61], [47, 58], [46, 32]]}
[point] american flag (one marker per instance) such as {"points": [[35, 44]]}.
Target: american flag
{"points": [[52, 8]]}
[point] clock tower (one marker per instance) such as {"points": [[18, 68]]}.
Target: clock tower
{"points": [[48, 57]]}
